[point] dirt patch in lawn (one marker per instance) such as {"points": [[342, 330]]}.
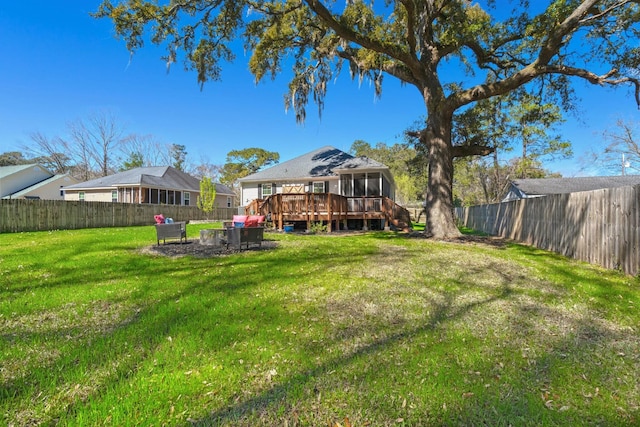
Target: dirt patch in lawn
{"points": [[495, 241], [195, 249]]}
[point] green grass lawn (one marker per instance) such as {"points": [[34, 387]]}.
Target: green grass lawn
{"points": [[372, 329]]}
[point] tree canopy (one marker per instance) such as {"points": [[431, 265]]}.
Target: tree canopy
{"points": [[241, 163], [207, 199], [453, 52]]}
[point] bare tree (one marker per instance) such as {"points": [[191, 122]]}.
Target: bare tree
{"points": [[152, 151], [624, 146], [621, 155], [207, 169], [94, 142], [52, 153]]}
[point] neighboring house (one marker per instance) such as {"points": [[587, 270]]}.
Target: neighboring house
{"points": [[356, 192], [527, 188], [154, 185], [32, 182], [225, 197]]}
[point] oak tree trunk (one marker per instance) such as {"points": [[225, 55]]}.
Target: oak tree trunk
{"points": [[439, 207]]}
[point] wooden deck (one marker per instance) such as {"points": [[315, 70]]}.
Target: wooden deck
{"points": [[333, 209]]}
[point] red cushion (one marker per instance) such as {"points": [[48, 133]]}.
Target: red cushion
{"points": [[251, 222], [257, 218]]}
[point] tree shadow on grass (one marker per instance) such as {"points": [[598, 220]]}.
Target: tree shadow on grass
{"points": [[445, 311], [136, 338], [119, 347], [529, 395]]}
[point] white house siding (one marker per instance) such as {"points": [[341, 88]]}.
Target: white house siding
{"points": [[89, 196], [250, 192]]}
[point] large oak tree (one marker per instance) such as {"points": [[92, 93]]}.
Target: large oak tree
{"points": [[502, 45]]}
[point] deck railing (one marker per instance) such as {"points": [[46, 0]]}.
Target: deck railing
{"points": [[329, 207]]}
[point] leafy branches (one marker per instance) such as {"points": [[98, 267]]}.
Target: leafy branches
{"points": [[205, 38]]}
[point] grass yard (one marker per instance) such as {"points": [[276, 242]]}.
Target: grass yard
{"points": [[370, 329]]}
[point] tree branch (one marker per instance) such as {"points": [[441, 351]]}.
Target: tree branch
{"points": [[606, 11], [594, 78], [471, 150], [390, 67], [411, 25], [346, 33]]}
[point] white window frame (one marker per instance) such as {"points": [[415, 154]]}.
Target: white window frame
{"points": [[229, 202], [187, 198], [318, 183], [81, 196], [268, 186], [114, 196]]}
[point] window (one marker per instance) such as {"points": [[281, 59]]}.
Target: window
{"points": [[81, 196], [318, 187], [187, 198], [266, 190], [114, 196], [373, 184], [347, 185], [359, 184], [229, 202]]}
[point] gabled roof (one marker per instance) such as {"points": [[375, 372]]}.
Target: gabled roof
{"points": [[545, 186], [156, 177], [6, 171], [15, 179], [35, 187], [223, 189], [324, 162]]}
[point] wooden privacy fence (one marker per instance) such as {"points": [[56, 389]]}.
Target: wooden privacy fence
{"points": [[18, 215], [601, 227]]}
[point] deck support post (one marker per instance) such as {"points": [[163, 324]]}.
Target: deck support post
{"points": [[329, 212], [307, 203], [364, 214], [280, 219]]}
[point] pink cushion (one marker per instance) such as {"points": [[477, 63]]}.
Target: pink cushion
{"points": [[159, 219], [240, 218]]}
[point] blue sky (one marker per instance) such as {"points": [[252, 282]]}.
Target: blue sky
{"points": [[59, 65]]}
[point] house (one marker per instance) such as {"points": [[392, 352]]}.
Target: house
{"points": [[225, 197], [538, 187], [154, 185], [32, 181], [326, 185]]}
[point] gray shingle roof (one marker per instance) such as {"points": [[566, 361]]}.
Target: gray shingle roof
{"points": [[545, 186], [323, 162], [223, 189], [6, 171], [157, 176]]}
